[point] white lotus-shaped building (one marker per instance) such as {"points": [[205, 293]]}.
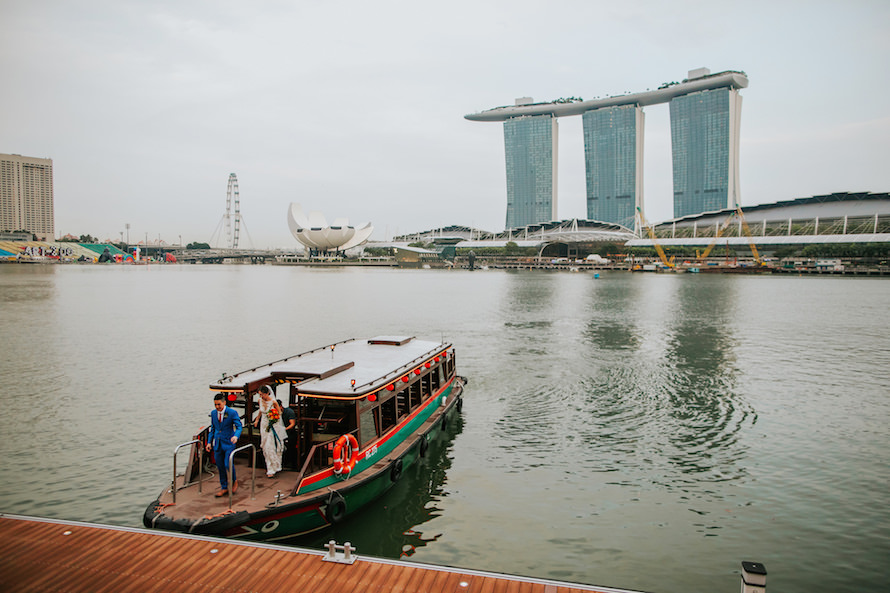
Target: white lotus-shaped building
{"points": [[314, 232]]}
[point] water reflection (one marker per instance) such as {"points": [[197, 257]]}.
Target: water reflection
{"points": [[636, 380], [611, 324], [707, 413], [27, 283]]}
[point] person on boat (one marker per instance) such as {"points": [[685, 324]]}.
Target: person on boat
{"points": [[289, 418], [272, 433], [225, 428]]}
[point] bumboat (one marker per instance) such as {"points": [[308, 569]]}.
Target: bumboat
{"points": [[366, 411]]}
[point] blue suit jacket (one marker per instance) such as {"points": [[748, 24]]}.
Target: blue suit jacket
{"points": [[220, 435]]}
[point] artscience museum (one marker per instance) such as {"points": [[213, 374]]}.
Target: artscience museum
{"points": [[313, 231]]}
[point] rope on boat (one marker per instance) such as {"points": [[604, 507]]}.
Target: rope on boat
{"points": [[222, 514]]}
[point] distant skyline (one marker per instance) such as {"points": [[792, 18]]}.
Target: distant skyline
{"points": [[357, 109]]}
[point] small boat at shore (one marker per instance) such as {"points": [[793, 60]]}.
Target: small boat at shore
{"points": [[365, 411]]}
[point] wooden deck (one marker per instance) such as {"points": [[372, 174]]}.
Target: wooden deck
{"points": [[66, 556]]}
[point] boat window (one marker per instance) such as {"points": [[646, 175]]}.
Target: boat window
{"points": [[414, 393], [402, 400], [427, 381], [328, 419], [387, 414], [436, 377], [368, 426]]}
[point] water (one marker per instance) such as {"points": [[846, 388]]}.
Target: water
{"points": [[638, 431]]}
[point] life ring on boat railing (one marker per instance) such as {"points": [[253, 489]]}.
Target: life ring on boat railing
{"points": [[395, 470], [345, 454]]}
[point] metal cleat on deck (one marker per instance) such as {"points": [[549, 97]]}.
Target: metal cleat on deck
{"points": [[347, 557]]}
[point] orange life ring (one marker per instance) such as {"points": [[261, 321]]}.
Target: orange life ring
{"points": [[345, 454]]}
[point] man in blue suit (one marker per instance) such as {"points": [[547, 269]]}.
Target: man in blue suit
{"points": [[225, 428]]}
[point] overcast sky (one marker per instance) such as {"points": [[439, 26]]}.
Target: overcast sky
{"points": [[355, 108]]}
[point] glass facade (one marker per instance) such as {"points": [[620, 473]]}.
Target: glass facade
{"points": [[613, 146], [530, 146], [704, 142]]}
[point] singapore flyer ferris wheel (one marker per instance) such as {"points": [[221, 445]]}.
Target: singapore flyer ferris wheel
{"points": [[231, 221]]}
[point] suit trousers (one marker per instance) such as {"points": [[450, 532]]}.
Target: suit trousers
{"points": [[222, 464]]}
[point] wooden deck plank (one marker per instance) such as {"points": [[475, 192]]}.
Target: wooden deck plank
{"points": [[356, 578], [369, 574], [44, 555], [413, 583], [486, 586], [426, 583]]}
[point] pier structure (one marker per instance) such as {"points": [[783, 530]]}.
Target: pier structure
{"points": [[53, 555], [705, 112]]}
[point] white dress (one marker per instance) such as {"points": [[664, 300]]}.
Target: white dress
{"points": [[271, 441]]}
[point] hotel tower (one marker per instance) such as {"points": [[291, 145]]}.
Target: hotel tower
{"points": [[705, 114]]}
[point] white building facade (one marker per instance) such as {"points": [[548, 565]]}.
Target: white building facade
{"points": [[26, 195]]}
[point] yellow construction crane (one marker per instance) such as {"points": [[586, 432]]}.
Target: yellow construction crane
{"points": [[720, 230], [753, 247], [667, 262]]}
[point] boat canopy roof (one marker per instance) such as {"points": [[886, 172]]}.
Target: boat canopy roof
{"points": [[345, 370]]}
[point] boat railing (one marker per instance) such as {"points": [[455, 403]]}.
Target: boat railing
{"points": [[305, 467], [252, 467], [185, 480], [317, 447]]}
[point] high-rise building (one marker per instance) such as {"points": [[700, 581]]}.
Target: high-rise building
{"points": [[705, 148], [613, 154], [26, 195], [530, 146], [705, 116]]}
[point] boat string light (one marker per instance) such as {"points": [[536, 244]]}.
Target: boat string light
{"points": [[372, 396]]}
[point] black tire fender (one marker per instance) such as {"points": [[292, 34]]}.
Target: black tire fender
{"points": [[335, 511], [395, 470], [424, 445]]}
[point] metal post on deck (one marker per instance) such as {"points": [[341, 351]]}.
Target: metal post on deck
{"points": [[252, 477], [753, 577], [185, 478]]}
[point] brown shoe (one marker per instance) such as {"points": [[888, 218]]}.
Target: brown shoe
{"points": [[234, 486], [222, 493]]}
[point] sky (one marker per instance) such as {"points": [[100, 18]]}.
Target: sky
{"points": [[355, 108]]}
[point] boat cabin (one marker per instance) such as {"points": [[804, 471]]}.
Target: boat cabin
{"points": [[364, 388]]}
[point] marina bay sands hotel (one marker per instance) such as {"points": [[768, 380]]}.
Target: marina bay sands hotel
{"points": [[705, 114]]}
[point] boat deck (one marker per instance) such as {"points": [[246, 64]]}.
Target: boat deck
{"points": [[191, 504], [49, 555]]}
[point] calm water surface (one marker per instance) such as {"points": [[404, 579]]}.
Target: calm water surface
{"points": [[638, 431]]}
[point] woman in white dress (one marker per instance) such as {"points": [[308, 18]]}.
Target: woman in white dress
{"points": [[272, 433]]}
